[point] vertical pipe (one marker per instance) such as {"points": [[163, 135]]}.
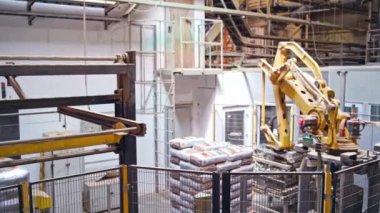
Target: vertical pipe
{"points": [[226, 190], [181, 41], [216, 192], [167, 132], [155, 101], [343, 77]]}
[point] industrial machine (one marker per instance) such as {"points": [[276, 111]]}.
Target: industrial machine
{"points": [[327, 137], [321, 119]]}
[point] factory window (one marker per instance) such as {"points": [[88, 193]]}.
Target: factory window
{"points": [[235, 127], [375, 112]]}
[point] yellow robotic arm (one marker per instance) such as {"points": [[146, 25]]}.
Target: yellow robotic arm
{"points": [[316, 101]]}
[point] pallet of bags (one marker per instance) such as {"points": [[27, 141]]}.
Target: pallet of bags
{"points": [[176, 156], [208, 146], [193, 184], [235, 152], [207, 158], [180, 151], [185, 142], [227, 166]]}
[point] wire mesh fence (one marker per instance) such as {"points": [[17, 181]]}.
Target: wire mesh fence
{"points": [[357, 188], [10, 199], [276, 192], [152, 189], [90, 192], [171, 190]]}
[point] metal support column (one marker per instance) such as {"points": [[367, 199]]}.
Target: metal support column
{"points": [[127, 109], [216, 193]]}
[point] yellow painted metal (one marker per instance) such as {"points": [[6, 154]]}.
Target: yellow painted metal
{"points": [[327, 190], [310, 94], [60, 144], [25, 197], [42, 172], [124, 179], [300, 53], [41, 200], [280, 59]]}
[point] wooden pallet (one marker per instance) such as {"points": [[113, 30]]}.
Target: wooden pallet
{"points": [[258, 4]]}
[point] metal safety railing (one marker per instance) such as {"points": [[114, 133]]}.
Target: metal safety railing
{"points": [[11, 199], [357, 188], [90, 192], [152, 189], [273, 191], [175, 190]]}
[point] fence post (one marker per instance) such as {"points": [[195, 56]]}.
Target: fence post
{"points": [[215, 192], [226, 190], [327, 196], [124, 205], [25, 198], [19, 190], [333, 184]]}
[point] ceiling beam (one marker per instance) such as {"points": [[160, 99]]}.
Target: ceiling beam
{"points": [[217, 10]]}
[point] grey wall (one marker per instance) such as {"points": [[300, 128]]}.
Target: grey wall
{"points": [[65, 37], [362, 88]]}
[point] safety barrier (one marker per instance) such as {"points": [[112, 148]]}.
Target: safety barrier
{"points": [[274, 192], [10, 199], [150, 189], [172, 190], [357, 188], [89, 192]]}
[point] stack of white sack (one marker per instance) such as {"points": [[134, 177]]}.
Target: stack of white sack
{"points": [[194, 183], [195, 154], [180, 151]]}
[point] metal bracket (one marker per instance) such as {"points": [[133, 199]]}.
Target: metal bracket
{"points": [[104, 120]]}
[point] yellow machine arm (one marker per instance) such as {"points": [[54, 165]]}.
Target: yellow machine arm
{"points": [[316, 101]]}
